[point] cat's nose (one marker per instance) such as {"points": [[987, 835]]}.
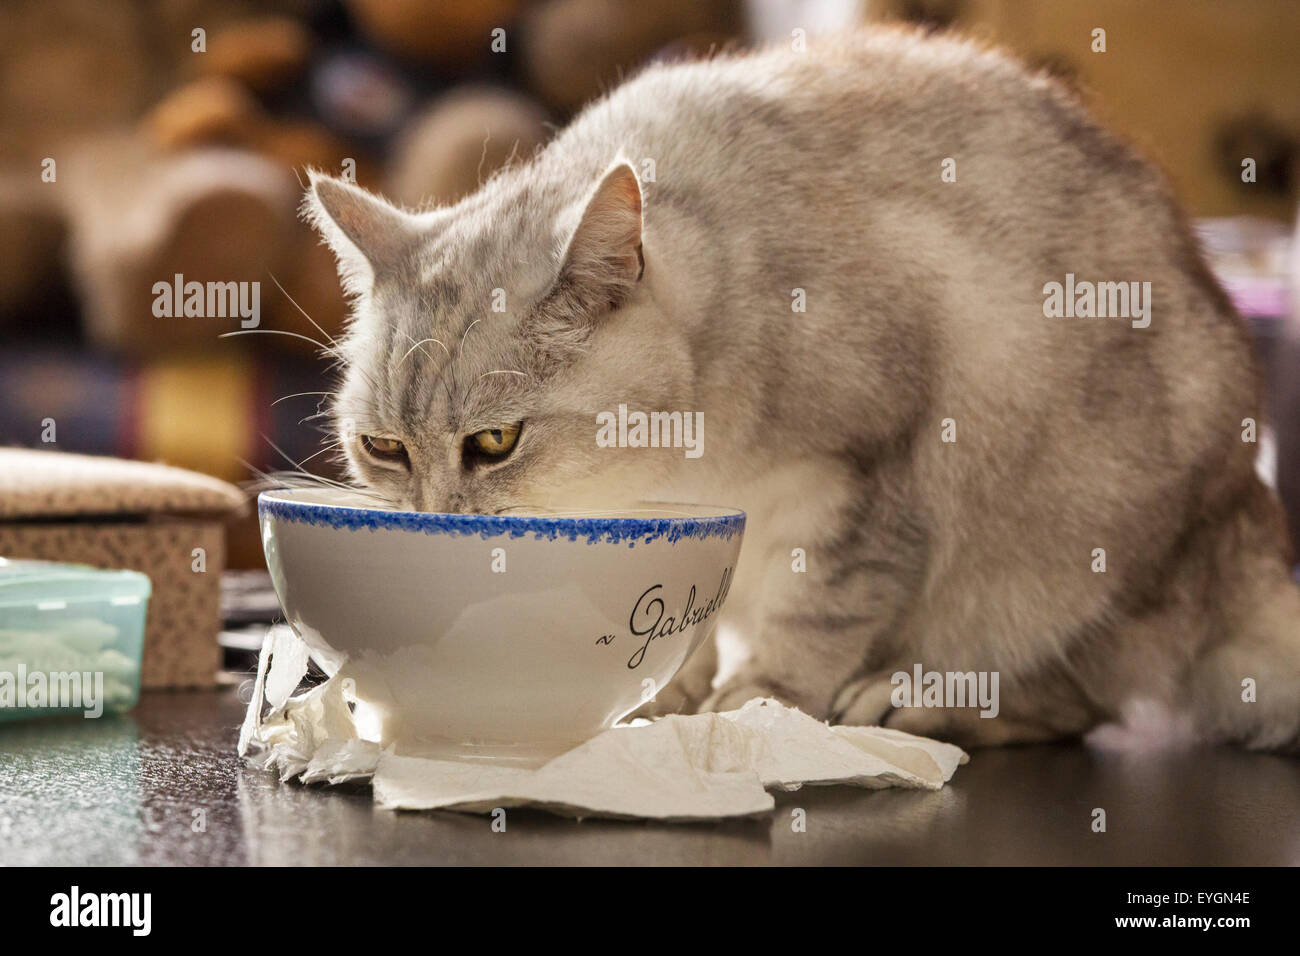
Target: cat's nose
{"points": [[425, 499]]}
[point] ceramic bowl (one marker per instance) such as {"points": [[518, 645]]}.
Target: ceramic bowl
{"points": [[504, 638]]}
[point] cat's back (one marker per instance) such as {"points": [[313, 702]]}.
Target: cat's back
{"points": [[943, 172], [875, 100]]}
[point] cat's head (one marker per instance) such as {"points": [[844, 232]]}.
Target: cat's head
{"points": [[487, 336]]}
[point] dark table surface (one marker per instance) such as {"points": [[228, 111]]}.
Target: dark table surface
{"points": [[162, 785]]}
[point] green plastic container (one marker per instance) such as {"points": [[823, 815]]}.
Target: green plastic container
{"points": [[71, 639]]}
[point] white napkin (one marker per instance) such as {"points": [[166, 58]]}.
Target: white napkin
{"points": [[698, 767]]}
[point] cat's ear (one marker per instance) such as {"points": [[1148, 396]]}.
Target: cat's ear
{"points": [[603, 260], [367, 235]]}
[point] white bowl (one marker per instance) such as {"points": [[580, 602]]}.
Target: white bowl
{"points": [[498, 637]]}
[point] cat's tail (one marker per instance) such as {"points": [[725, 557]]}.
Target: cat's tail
{"points": [[1245, 684]]}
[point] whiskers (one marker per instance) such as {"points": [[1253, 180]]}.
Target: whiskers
{"points": [[418, 345], [334, 345], [460, 348], [285, 398], [297, 476], [287, 478], [325, 349], [502, 371]]}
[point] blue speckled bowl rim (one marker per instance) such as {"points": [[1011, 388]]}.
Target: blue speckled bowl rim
{"points": [[593, 530]]}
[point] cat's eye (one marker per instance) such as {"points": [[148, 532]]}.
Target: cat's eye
{"points": [[385, 449], [493, 443]]}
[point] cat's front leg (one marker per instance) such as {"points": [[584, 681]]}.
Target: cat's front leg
{"points": [[828, 576], [751, 682], [818, 630], [1042, 707]]}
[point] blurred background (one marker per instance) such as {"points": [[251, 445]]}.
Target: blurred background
{"points": [[140, 139]]}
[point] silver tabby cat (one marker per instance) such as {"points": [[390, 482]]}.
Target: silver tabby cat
{"points": [[844, 258]]}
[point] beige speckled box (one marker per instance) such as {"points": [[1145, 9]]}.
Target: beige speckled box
{"points": [[127, 514]]}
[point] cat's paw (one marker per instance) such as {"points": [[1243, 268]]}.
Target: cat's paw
{"points": [[671, 700], [735, 696], [863, 702], [924, 722], [685, 693]]}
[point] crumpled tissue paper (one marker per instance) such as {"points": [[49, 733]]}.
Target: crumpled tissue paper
{"points": [[697, 767]]}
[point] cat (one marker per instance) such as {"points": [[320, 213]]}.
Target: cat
{"points": [[845, 259]]}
